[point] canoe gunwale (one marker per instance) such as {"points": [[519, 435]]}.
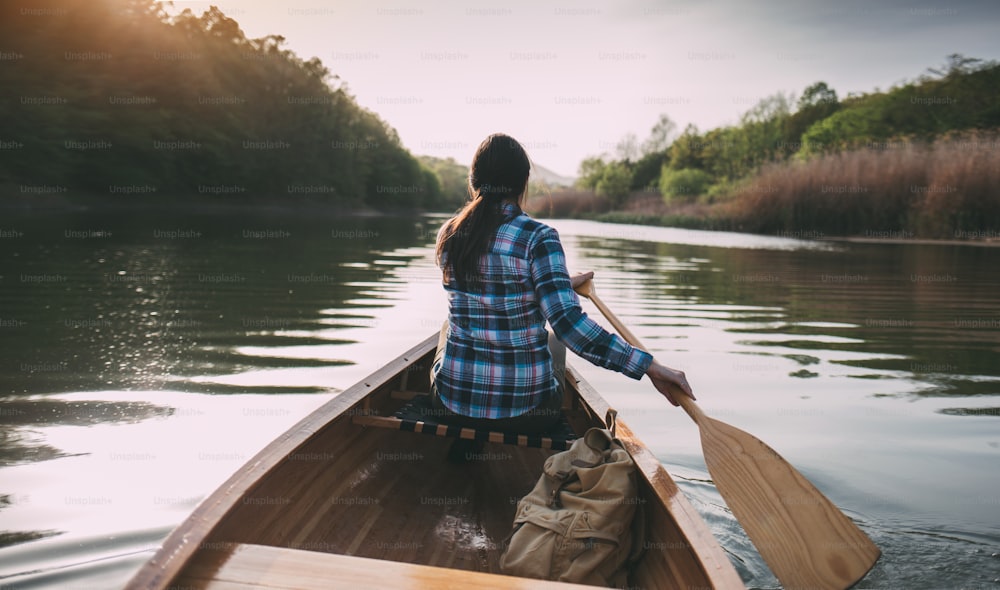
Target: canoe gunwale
{"points": [[182, 543]]}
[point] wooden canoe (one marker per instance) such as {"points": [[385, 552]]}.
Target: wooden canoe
{"points": [[341, 502]]}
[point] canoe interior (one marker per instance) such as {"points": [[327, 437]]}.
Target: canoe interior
{"points": [[389, 494], [393, 495]]}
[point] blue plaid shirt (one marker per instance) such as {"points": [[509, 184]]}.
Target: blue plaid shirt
{"points": [[496, 362]]}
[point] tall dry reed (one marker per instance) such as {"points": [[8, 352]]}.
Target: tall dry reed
{"points": [[896, 188], [565, 202]]}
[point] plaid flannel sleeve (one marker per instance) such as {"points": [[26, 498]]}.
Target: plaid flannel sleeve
{"points": [[561, 307]]}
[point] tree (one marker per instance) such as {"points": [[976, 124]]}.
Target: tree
{"points": [[614, 183], [768, 109], [818, 101], [683, 185], [627, 148], [727, 153], [817, 94], [452, 178], [646, 171], [659, 136], [686, 150], [590, 173], [957, 64], [762, 128]]}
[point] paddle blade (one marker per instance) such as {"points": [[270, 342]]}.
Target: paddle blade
{"points": [[804, 538]]}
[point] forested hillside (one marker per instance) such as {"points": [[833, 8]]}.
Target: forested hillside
{"points": [[118, 97]]}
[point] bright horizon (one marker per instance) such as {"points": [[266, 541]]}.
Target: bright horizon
{"points": [[571, 79]]}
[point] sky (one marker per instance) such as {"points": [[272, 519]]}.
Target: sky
{"points": [[570, 79]]}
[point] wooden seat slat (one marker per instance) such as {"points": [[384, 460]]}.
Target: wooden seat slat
{"points": [[521, 440], [416, 415]]}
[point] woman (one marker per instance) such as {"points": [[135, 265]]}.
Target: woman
{"points": [[505, 276]]}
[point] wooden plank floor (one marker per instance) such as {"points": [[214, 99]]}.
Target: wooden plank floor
{"points": [[387, 494], [254, 567]]}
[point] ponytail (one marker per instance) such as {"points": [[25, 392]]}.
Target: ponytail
{"points": [[465, 239], [499, 171]]}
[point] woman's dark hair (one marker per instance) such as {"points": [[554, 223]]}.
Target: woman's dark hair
{"points": [[499, 172]]}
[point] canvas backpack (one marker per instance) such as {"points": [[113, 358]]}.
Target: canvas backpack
{"points": [[576, 525]]}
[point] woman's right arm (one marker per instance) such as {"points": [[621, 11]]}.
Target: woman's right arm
{"points": [[561, 308], [663, 377]]}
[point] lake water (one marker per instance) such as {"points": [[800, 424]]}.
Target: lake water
{"points": [[144, 356]]}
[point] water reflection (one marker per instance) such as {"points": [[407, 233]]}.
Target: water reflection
{"points": [[923, 312], [170, 301], [135, 310], [871, 367], [212, 311], [21, 446]]}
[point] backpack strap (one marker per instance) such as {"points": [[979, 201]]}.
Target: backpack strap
{"points": [[611, 421], [638, 548]]}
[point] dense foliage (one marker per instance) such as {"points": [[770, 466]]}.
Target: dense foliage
{"points": [[759, 168], [965, 95], [117, 96], [961, 96], [453, 177], [684, 184]]}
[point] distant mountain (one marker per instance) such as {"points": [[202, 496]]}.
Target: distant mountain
{"points": [[454, 176], [540, 173]]}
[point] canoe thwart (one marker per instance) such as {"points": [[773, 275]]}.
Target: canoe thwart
{"points": [[417, 415]]}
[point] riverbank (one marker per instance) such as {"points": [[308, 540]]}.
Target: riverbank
{"points": [[197, 204], [640, 209], [701, 217], [649, 209], [690, 222], [943, 190]]}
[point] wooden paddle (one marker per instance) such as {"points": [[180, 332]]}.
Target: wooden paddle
{"points": [[804, 538]]}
